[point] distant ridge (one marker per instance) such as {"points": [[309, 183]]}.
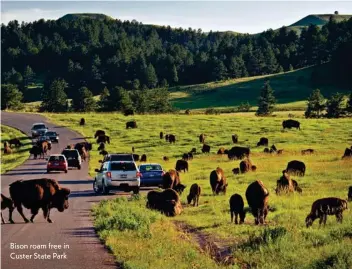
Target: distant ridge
{"points": [[93, 16]]}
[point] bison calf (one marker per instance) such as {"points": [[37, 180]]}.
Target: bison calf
{"points": [[237, 208], [194, 194], [166, 158], [6, 203], [326, 206]]}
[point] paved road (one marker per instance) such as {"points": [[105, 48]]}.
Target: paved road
{"points": [[73, 227]]}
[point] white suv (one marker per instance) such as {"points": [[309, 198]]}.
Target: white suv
{"points": [[117, 175]]}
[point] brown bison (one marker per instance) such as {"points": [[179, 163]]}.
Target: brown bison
{"points": [[280, 151], [88, 146], [161, 135], [82, 121], [257, 197], [35, 151], [16, 142], [307, 151], [167, 202], [237, 208], [6, 203], [103, 139], [263, 141], [172, 138], [135, 157], [7, 149], [246, 166], [349, 195], [296, 167], [238, 153], [236, 171], [188, 112], [131, 124], [101, 146], [291, 124], [202, 138], [194, 193], [218, 181], [266, 150], [171, 179], [166, 159], [84, 154], [143, 158], [326, 206], [222, 150], [235, 138], [285, 184], [205, 148], [99, 133], [181, 165], [41, 193], [348, 153], [185, 157]]}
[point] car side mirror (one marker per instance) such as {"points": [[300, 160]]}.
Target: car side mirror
{"points": [[97, 170]]}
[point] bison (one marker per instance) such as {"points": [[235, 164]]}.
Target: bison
{"points": [[135, 157], [101, 146], [246, 166], [185, 157], [307, 151], [104, 153], [6, 203], [222, 150], [285, 184], [188, 112], [35, 151], [218, 181], [172, 138], [190, 156], [167, 138], [237, 208], [131, 124], [235, 138], [205, 148], [167, 202], [143, 158], [321, 208], [41, 193], [202, 138], [194, 193], [296, 167], [193, 150], [291, 124], [171, 179], [161, 135], [238, 153], [263, 141], [16, 142], [257, 197], [7, 149], [103, 139], [99, 133], [348, 153], [82, 121], [181, 165], [88, 146], [236, 171], [349, 195], [166, 159]]}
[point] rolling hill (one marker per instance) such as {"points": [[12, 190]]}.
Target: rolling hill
{"points": [[93, 16]]}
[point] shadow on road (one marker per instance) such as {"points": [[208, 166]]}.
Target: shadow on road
{"points": [[29, 169], [24, 173], [75, 182], [82, 232], [31, 164], [82, 193]]}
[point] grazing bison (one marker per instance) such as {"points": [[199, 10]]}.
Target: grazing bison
{"points": [[257, 197], [205, 148], [296, 167], [235, 138], [237, 208], [291, 124], [263, 141], [131, 124], [348, 153], [35, 151], [170, 179], [16, 142], [238, 153], [101, 146], [172, 138], [6, 203], [194, 193], [280, 151], [104, 153], [284, 184], [193, 150], [7, 149], [161, 135], [166, 159], [349, 194], [167, 138], [321, 208], [128, 112], [246, 166], [273, 149], [222, 150], [82, 121], [103, 139], [135, 157], [218, 181], [190, 156], [181, 165], [236, 171], [41, 193], [185, 157], [99, 133], [266, 150], [167, 202], [307, 151], [143, 158], [202, 138]]}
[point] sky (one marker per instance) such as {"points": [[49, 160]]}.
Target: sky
{"points": [[238, 16]]}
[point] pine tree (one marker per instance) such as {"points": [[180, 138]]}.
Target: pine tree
{"points": [[83, 101], [119, 100], [54, 97], [349, 104], [315, 104], [334, 107], [11, 97], [267, 100], [150, 76], [104, 100], [28, 76], [174, 75]]}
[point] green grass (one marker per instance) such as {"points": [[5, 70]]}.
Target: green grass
{"points": [[296, 247], [291, 90], [19, 155]]}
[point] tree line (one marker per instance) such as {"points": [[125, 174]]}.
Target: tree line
{"points": [[111, 53]]}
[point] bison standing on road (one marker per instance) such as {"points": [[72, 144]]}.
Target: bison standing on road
{"points": [[257, 197], [194, 193], [131, 124], [6, 203], [296, 167], [35, 151], [238, 153], [167, 202], [326, 206], [41, 193], [218, 181], [237, 208], [291, 124], [181, 165]]}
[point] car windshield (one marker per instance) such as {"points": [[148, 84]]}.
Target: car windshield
{"points": [[146, 168], [51, 133], [57, 158], [43, 138], [122, 167], [120, 158], [38, 126], [70, 153]]}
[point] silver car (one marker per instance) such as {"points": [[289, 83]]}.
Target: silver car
{"points": [[117, 175], [38, 129]]}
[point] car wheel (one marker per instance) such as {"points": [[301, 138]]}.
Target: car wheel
{"points": [[136, 190], [95, 187], [105, 190], [66, 171], [48, 171], [79, 167]]}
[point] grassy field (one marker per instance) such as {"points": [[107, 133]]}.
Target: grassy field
{"points": [[291, 90], [19, 155], [284, 242]]}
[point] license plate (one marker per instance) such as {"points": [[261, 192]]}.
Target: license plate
{"points": [[56, 163], [123, 176]]}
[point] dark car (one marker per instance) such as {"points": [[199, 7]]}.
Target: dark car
{"points": [[53, 136], [73, 158], [38, 129], [151, 174], [127, 157]]}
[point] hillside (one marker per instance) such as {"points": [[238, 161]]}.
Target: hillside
{"points": [[94, 16], [291, 88]]}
